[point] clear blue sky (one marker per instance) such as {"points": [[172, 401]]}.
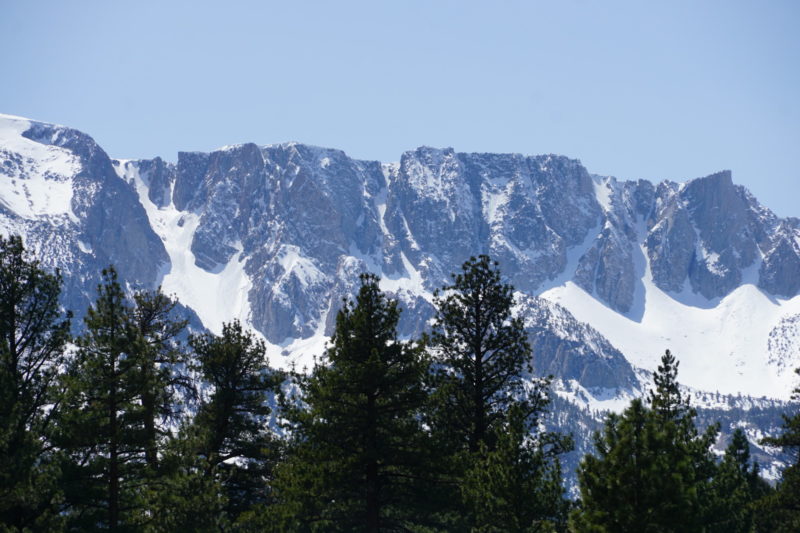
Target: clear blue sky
{"points": [[655, 90]]}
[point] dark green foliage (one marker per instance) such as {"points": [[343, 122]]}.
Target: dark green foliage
{"points": [[231, 430], [517, 487], [358, 450], [735, 488], [119, 392], [789, 440], [163, 367], [380, 435], [33, 334], [101, 426], [651, 470], [666, 399], [188, 495], [780, 511], [481, 352], [615, 481], [483, 363]]}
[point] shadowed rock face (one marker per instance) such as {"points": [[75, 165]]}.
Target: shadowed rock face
{"points": [[726, 242], [671, 242], [159, 177], [305, 221], [780, 271], [566, 348], [107, 226]]}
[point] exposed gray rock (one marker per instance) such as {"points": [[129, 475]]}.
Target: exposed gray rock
{"points": [[726, 244], [780, 271], [110, 227], [569, 349], [305, 221], [159, 176], [434, 212], [607, 267], [671, 240]]}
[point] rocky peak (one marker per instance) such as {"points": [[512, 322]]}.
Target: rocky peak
{"points": [[102, 222], [159, 177]]}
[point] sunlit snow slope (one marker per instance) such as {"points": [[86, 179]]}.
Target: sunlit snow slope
{"points": [[217, 297], [722, 344], [37, 179]]}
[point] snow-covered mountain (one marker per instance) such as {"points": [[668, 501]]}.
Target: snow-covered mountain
{"points": [[610, 273]]}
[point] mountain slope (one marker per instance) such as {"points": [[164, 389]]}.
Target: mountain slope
{"points": [[276, 235]]}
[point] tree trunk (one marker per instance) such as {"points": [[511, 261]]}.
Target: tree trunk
{"points": [[372, 481], [151, 450], [113, 463], [113, 456]]}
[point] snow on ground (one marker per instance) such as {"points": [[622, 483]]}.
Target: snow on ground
{"points": [[721, 345], [294, 263], [299, 354], [216, 298], [494, 196], [41, 183], [413, 283], [602, 191], [596, 399]]}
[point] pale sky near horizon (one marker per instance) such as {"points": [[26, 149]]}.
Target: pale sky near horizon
{"points": [[654, 90]]}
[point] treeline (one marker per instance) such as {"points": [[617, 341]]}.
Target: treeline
{"points": [[136, 425]]}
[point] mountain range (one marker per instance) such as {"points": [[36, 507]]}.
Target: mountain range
{"points": [[608, 273]]}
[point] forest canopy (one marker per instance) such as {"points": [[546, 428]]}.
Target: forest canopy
{"points": [[129, 421]]}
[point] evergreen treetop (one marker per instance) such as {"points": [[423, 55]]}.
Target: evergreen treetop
{"points": [[481, 353], [652, 469], [231, 430], [357, 457]]}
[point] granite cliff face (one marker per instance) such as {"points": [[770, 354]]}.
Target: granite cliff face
{"points": [[707, 232], [287, 228], [435, 208]]}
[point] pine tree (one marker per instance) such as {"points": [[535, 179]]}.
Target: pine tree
{"points": [[33, 334], [163, 367], [517, 487], [780, 511], [189, 495], [651, 470], [481, 352], [735, 488], [666, 399], [101, 424], [358, 447], [231, 429], [483, 362]]}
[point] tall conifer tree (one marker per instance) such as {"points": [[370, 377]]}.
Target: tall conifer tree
{"points": [[652, 469], [101, 425], [481, 353], [483, 362], [231, 430], [358, 447], [163, 366], [33, 334]]}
